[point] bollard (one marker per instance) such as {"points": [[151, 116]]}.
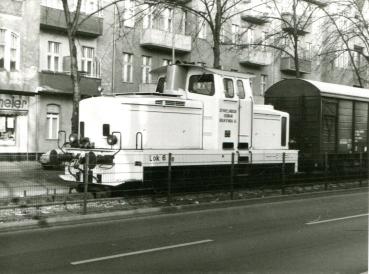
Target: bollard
{"points": [[283, 168], [169, 194], [232, 177], [24, 193]]}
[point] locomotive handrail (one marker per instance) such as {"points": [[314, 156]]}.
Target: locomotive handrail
{"points": [[252, 122], [120, 141], [137, 134]]}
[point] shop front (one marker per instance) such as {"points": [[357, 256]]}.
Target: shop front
{"points": [[14, 126]]}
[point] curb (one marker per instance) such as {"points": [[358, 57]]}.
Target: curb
{"points": [[53, 222]]}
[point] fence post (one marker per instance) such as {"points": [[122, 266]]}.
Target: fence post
{"points": [[85, 182], [283, 172], [169, 198], [361, 170], [232, 176], [326, 167]]}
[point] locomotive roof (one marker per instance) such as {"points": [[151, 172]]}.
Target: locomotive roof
{"points": [[163, 70], [298, 87]]}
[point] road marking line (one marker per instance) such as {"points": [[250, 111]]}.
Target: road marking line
{"points": [[141, 252], [336, 219]]}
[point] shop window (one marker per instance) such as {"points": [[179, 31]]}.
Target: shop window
{"points": [[52, 121], [7, 129]]}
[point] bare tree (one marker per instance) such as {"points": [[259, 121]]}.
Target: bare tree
{"points": [[74, 21], [348, 38], [290, 22], [216, 14]]}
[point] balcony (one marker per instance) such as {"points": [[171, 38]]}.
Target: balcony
{"points": [[54, 19], [256, 57], [159, 39], [302, 26], [61, 83], [288, 65], [255, 17]]}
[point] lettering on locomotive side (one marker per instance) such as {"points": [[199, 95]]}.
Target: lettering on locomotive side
{"points": [[159, 158], [228, 115]]}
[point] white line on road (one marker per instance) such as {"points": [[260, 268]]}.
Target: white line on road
{"points": [[140, 252], [336, 219]]}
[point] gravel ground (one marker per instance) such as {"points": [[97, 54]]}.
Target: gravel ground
{"points": [[20, 209]]}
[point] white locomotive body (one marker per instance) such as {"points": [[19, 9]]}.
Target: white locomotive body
{"points": [[198, 115]]}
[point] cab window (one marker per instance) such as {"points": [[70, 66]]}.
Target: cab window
{"points": [[202, 84], [240, 89], [228, 87]]}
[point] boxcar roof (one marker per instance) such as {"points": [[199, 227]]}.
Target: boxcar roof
{"points": [[298, 87], [341, 91]]}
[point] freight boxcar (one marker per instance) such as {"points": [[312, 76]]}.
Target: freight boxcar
{"points": [[328, 123]]}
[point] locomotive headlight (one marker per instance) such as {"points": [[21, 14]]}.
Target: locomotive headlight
{"points": [[112, 140], [73, 138]]}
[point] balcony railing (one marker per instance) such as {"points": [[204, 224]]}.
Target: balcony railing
{"points": [[61, 83], [256, 57], [154, 38], [54, 19], [288, 65]]}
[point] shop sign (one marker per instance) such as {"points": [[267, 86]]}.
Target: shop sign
{"points": [[13, 102]]}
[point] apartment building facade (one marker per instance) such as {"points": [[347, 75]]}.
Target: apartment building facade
{"points": [[119, 46], [35, 83]]}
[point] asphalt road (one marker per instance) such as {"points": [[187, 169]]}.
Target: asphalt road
{"points": [[315, 235]]}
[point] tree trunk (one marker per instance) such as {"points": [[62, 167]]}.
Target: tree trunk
{"points": [[216, 53], [75, 82]]}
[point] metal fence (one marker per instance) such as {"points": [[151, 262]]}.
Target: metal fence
{"points": [[28, 189]]}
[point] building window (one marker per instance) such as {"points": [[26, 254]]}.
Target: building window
{"points": [[52, 121], [146, 68], [202, 28], [183, 22], [53, 56], [7, 130], [87, 61], [358, 52], [167, 62], [148, 19], [170, 20], [128, 13], [235, 33], [342, 60], [127, 67], [263, 83], [9, 50], [2, 48]]}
